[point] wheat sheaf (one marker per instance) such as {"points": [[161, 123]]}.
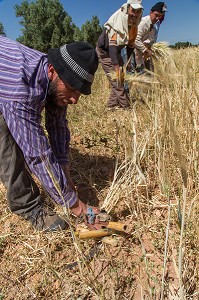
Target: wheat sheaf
{"points": [[161, 51]]}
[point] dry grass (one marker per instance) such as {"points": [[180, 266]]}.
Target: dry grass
{"points": [[142, 166], [161, 51], [136, 80]]}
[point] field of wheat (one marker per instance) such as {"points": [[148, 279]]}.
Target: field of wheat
{"points": [[142, 166]]}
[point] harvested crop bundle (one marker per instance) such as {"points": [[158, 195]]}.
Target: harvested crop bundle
{"points": [[161, 50]]}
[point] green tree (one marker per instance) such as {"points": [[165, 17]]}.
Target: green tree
{"points": [[78, 34], [179, 45], [45, 24], [69, 29], [90, 31], [2, 31]]}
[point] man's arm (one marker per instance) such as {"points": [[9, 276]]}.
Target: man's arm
{"points": [[143, 31], [59, 137], [113, 52], [24, 125]]}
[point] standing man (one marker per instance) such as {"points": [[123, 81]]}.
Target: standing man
{"points": [[29, 82], [119, 31], [147, 36]]}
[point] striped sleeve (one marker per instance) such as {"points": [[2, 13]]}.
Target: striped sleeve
{"points": [[37, 151], [58, 132]]}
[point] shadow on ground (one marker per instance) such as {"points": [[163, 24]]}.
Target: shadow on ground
{"points": [[91, 174]]}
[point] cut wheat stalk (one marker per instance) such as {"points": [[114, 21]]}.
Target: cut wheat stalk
{"points": [[143, 79], [136, 78], [161, 51]]}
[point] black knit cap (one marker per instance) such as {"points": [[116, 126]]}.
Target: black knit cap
{"points": [[75, 64], [160, 7]]}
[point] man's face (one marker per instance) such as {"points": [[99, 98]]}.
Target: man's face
{"points": [[133, 15], [62, 94], [155, 16]]}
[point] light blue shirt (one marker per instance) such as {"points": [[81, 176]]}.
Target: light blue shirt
{"points": [[156, 26]]}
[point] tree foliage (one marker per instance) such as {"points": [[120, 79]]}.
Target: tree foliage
{"points": [[46, 25], [90, 31], [179, 45], [2, 31]]}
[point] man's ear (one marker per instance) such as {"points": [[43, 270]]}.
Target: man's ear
{"points": [[51, 72]]}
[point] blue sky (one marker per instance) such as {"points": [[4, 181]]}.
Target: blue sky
{"points": [[181, 22]]}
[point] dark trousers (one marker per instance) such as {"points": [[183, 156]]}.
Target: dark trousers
{"points": [[22, 192], [118, 96]]}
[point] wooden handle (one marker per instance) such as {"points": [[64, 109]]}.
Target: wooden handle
{"points": [[94, 233], [117, 226]]}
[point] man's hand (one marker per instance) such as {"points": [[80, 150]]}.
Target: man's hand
{"points": [[80, 208], [129, 67], [147, 54]]}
